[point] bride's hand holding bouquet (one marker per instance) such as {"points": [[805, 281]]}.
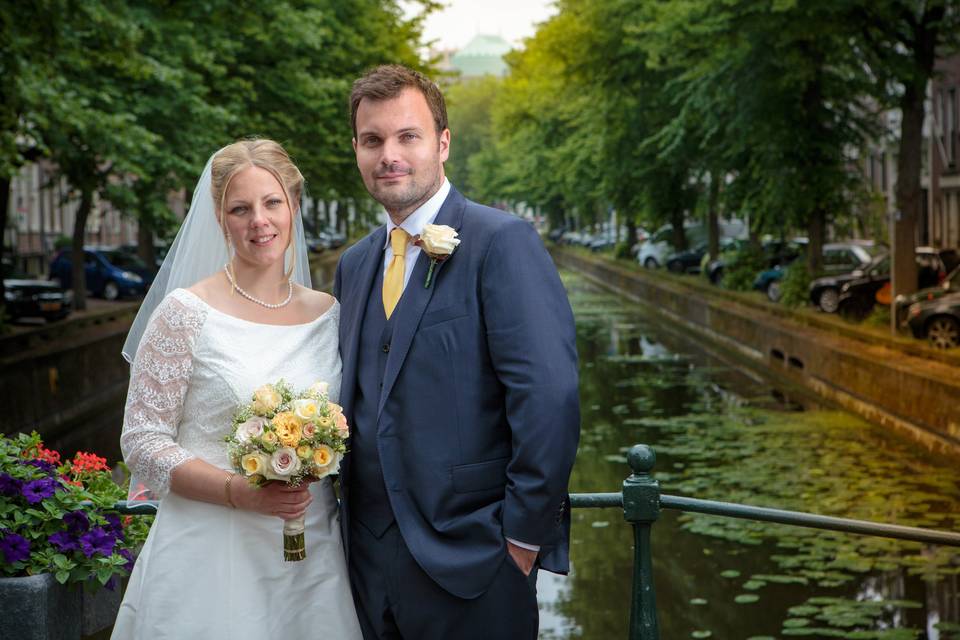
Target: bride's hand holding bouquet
{"points": [[281, 441]]}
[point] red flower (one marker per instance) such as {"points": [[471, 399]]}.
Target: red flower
{"points": [[42, 453], [88, 462]]}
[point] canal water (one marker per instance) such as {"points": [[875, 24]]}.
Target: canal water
{"points": [[722, 432]]}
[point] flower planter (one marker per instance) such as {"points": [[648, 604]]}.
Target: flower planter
{"points": [[99, 609], [40, 608]]}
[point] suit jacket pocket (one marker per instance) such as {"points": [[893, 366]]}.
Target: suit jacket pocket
{"points": [[480, 476], [450, 312]]}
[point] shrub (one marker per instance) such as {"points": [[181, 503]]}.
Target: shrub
{"points": [[741, 267], [622, 251], [57, 517], [795, 284]]}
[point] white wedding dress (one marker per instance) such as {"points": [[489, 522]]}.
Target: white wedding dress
{"points": [[209, 571]]}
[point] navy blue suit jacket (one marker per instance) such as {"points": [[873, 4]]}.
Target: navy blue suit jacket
{"points": [[479, 414]]}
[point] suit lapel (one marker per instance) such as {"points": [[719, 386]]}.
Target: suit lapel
{"points": [[352, 307], [416, 297]]}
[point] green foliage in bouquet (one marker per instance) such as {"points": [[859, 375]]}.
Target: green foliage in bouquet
{"points": [[57, 517]]}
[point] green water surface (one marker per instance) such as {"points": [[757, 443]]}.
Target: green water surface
{"points": [[725, 433]]}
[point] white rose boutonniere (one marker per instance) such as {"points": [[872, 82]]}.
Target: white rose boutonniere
{"points": [[438, 241]]}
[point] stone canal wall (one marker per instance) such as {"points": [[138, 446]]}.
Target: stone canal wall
{"points": [[895, 382], [65, 379]]}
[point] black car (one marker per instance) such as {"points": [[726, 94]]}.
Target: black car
{"points": [[687, 261], [858, 297], [28, 297], [825, 291], [937, 320]]}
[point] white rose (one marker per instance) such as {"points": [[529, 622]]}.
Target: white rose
{"points": [[252, 428], [305, 409], [438, 239], [319, 388], [283, 464]]}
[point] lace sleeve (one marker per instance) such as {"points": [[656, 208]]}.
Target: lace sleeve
{"points": [[159, 379]]}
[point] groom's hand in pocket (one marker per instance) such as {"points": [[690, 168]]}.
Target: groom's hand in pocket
{"points": [[277, 499], [524, 558]]}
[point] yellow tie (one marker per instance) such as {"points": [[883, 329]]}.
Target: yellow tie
{"points": [[393, 278]]}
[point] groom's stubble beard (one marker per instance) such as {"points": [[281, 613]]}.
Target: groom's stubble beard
{"points": [[400, 202]]}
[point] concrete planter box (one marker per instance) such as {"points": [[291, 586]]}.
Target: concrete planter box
{"points": [[40, 608]]}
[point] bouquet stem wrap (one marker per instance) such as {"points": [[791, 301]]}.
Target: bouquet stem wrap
{"points": [[294, 546]]}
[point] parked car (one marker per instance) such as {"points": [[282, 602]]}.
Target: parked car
{"points": [[690, 261], [111, 273], [825, 291], [159, 252], [657, 248], [602, 241], [950, 284], [556, 233], [858, 297], [838, 257], [936, 320], [779, 255], [27, 297]]}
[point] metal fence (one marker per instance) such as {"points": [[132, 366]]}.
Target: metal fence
{"points": [[642, 502]]}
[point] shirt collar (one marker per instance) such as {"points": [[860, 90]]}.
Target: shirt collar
{"points": [[424, 215]]}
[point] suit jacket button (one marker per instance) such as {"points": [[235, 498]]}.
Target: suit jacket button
{"points": [[386, 348]]}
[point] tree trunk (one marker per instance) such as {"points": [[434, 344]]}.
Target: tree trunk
{"points": [[679, 234], [713, 217], [909, 194], [631, 238], [76, 256], [816, 232], [4, 206], [145, 243]]}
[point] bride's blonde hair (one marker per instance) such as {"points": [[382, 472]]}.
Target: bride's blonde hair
{"points": [[265, 154]]}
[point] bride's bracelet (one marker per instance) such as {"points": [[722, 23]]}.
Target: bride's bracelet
{"points": [[226, 489]]}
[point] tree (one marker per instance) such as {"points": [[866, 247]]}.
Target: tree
{"points": [[901, 41]]}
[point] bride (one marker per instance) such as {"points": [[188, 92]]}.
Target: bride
{"points": [[230, 310]]}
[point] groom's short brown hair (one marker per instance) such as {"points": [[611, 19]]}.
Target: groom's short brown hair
{"points": [[387, 81]]}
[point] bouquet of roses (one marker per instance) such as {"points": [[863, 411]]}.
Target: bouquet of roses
{"points": [[287, 436]]}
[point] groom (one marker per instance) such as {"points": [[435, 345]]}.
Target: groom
{"points": [[460, 383]]}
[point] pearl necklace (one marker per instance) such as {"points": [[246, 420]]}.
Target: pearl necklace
{"points": [[226, 269]]}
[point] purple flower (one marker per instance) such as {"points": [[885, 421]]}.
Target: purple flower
{"points": [[128, 556], [14, 547], [77, 522], [63, 541], [113, 524], [37, 490], [97, 540], [9, 486], [43, 465]]}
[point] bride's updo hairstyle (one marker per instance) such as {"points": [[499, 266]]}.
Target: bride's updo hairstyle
{"points": [[265, 154]]}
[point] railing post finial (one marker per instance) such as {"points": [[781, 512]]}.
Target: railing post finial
{"points": [[641, 508]]}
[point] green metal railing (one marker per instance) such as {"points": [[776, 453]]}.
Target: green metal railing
{"points": [[642, 501]]}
